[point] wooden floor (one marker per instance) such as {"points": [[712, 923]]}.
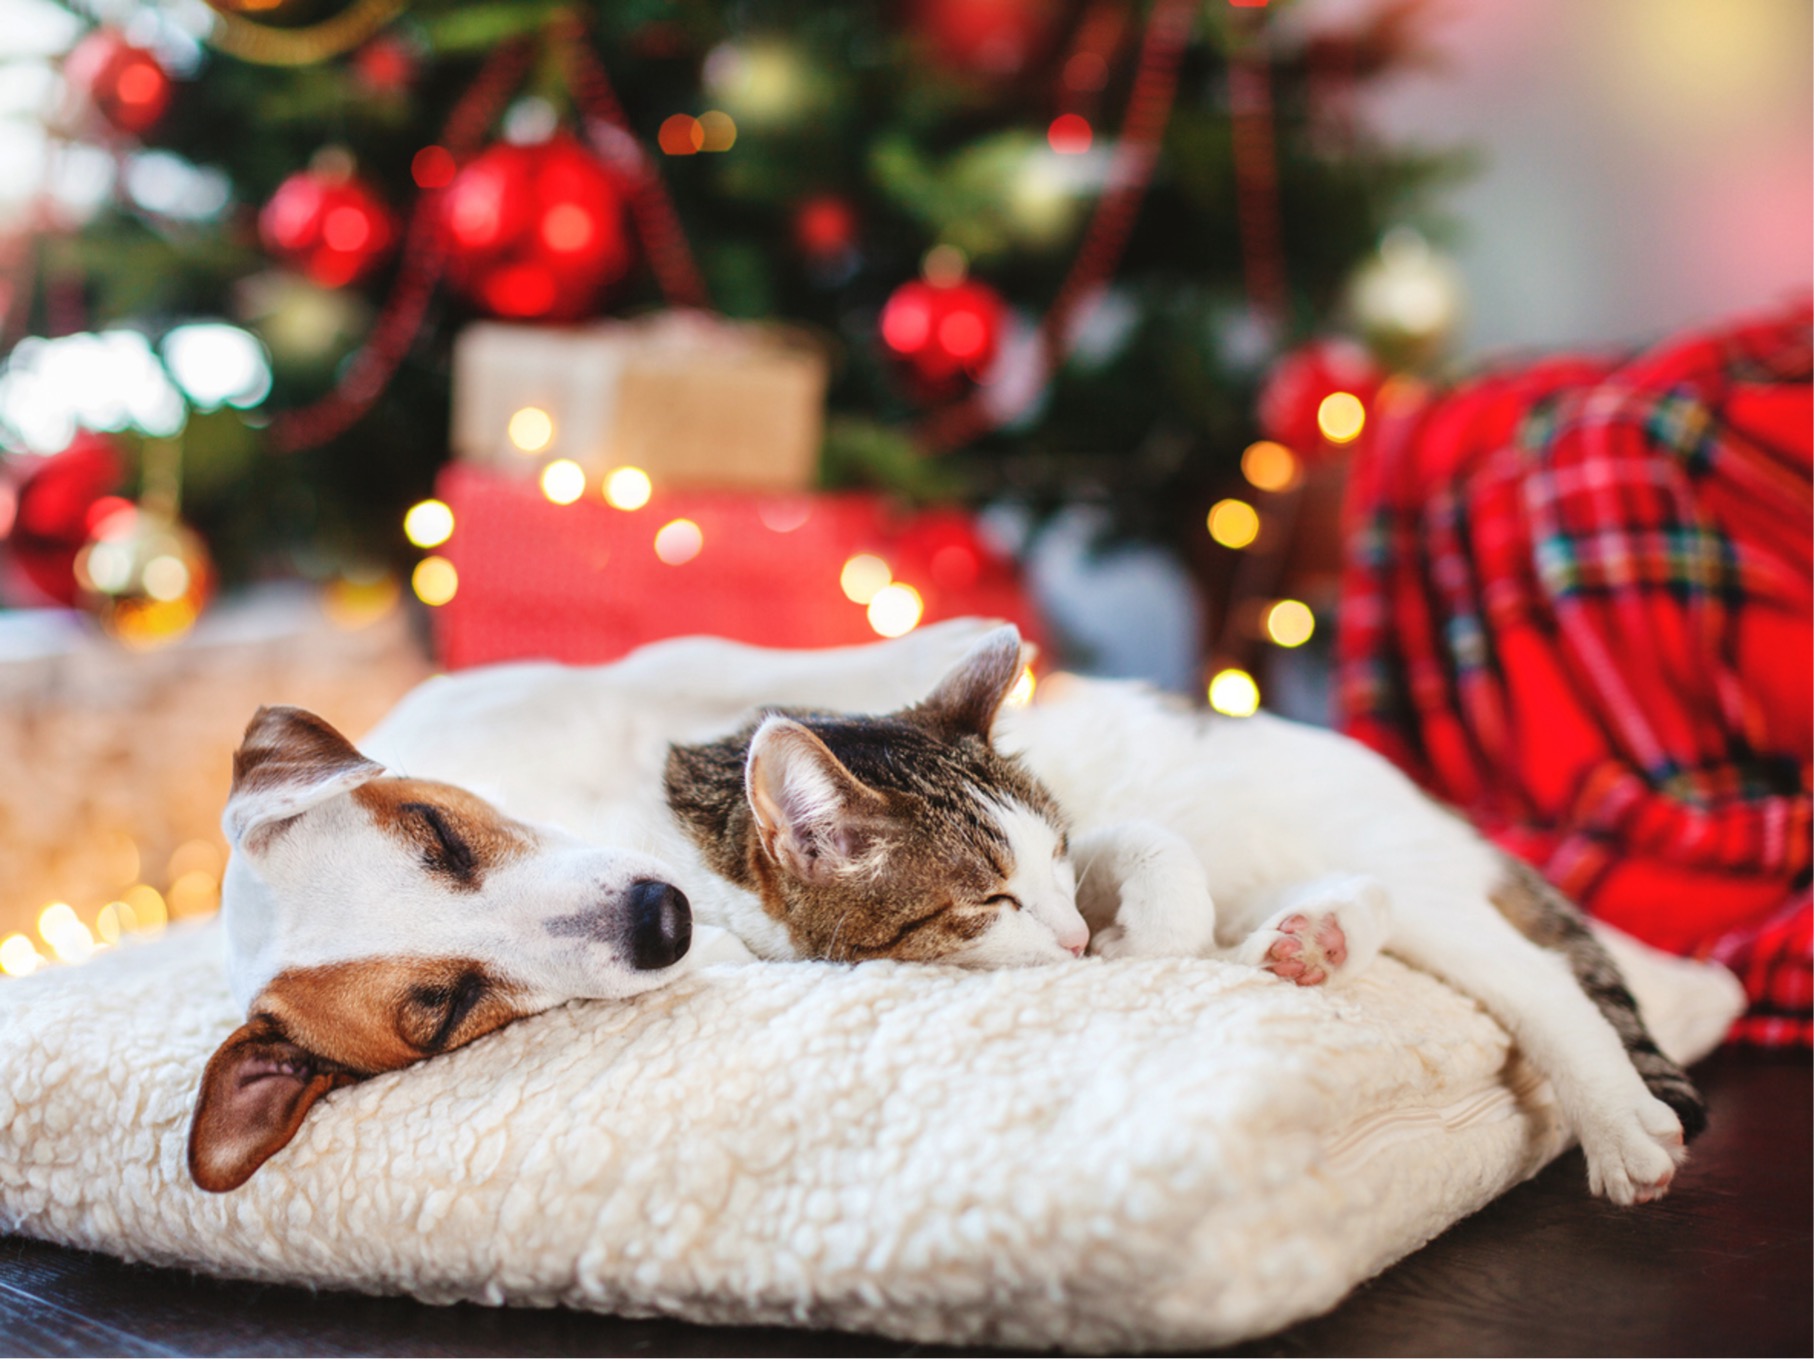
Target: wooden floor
{"points": [[1724, 1267]]}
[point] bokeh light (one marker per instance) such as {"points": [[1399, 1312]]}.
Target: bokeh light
{"points": [[434, 580], [1269, 466], [718, 132], [1233, 692], [1070, 135], [1341, 417], [18, 957], [563, 482], [895, 610], [1289, 624], [531, 429], [678, 542], [1024, 690], [863, 576], [627, 489], [681, 135], [1232, 523], [429, 523]]}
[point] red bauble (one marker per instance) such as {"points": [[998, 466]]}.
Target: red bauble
{"points": [[386, 66], [1290, 402], [329, 225], [943, 331], [60, 498], [126, 84], [536, 231], [991, 37], [825, 226]]}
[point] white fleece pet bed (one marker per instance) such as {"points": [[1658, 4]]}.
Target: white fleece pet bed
{"points": [[1101, 1156]]}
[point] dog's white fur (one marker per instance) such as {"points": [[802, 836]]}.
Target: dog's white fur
{"points": [[1176, 812]]}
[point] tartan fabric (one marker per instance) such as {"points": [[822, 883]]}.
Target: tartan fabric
{"points": [[1578, 604]]}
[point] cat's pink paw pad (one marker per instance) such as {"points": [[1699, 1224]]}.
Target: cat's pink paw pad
{"points": [[1307, 951]]}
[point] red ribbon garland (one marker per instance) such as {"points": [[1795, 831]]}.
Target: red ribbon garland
{"points": [[1133, 166]]}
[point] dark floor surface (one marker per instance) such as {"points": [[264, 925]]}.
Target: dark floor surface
{"points": [[1724, 1267]]}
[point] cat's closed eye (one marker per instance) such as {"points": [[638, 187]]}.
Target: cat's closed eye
{"points": [[1010, 901]]}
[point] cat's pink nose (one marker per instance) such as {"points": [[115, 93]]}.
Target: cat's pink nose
{"points": [[1074, 940], [1078, 951]]}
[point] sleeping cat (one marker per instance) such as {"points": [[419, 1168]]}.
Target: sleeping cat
{"points": [[941, 832]]}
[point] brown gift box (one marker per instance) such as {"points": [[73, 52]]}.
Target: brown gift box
{"points": [[689, 398]]}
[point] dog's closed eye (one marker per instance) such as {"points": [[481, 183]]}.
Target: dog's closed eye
{"points": [[445, 851], [432, 1013]]}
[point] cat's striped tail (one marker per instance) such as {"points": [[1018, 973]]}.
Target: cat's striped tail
{"points": [[1547, 917]]}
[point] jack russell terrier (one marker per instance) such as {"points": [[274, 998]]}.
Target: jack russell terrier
{"points": [[389, 904]]}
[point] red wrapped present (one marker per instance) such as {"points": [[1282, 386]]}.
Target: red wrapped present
{"points": [[1578, 604], [587, 583]]}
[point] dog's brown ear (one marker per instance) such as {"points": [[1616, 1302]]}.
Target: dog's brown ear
{"points": [[967, 699], [255, 1092], [289, 761]]}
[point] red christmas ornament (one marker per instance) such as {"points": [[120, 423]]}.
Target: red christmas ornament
{"points": [[328, 224], [124, 83], [825, 226], [991, 37], [1289, 405], [943, 331], [386, 66], [59, 500], [536, 231]]}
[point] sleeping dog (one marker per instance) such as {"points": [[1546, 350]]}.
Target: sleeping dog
{"points": [[376, 917]]}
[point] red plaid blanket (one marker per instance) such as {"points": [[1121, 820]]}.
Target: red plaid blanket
{"points": [[1578, 603]]}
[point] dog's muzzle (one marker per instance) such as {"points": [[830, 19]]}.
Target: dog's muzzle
{"points": [[660, 924]]}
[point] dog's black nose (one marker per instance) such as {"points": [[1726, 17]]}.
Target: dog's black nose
{"points": [[661, 924]]}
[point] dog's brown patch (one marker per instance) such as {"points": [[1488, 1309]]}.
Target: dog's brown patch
{"points": [[316, 1029], [459, 836], [373, 1015]]}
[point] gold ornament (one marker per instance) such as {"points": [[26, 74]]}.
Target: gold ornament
{"points": [[145, 576], [271, 45], [1406, 299]]}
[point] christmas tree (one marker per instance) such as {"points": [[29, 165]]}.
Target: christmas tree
{"points": [[1054, 246]]}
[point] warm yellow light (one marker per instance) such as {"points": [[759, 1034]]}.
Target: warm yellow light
{"points": [[1341, 417], [1290, 624], [166, 578], [1024, 691], [530, 430], [718, 131], [198, 854], [351, 603], [1232, 523], [115, 920], [895, 610], [678, 542], [434, 580], [66, 934], [563, 482], [627, 489], [18, 957], [429, 523], [1233, 692], [1269, 466], [193, 894], [863, 576], [147, 905]]}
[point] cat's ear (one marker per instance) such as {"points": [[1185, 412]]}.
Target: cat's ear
{"points": [[813, 814], [967, 699]]}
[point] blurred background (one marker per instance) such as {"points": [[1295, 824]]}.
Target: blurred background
{"points": [[342, 340]]}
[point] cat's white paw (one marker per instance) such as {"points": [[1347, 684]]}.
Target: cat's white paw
{"points": [[1130, 941], [1632, 1151], [1307, 949], [1325, 935]]}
